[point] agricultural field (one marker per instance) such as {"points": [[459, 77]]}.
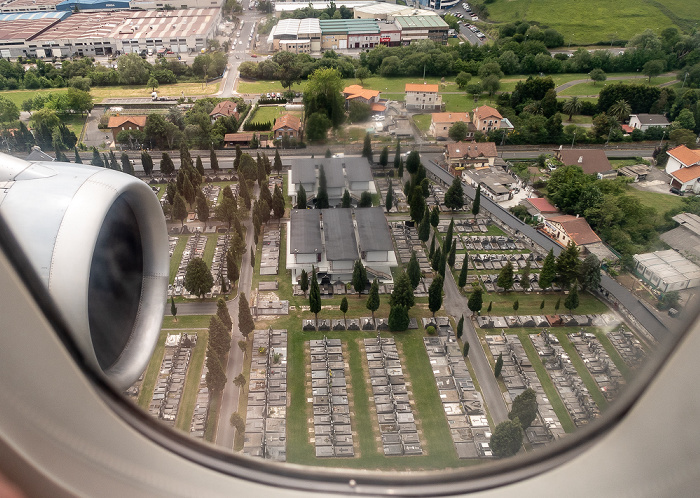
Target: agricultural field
{"points": [[598, 22]]}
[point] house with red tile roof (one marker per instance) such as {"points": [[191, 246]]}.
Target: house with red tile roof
{"points": [[681, 157], [441, 122], [687, 179], [463, 155], [226, 109], [539, 207], [565, 228], [356, 93], [423, 96], [486, 118], [287, 124], [120, 123]]}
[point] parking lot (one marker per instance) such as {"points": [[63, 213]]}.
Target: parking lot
{"points": [[466, 17]]}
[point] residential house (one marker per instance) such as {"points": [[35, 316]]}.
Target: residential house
{"points": [[495, 184], [681, 157], [591, 161], [463, 155], [120, 123], [687, 179], [423, 97], [441, 123], [645, 121], [224, 109], [539, 207], [355, 93], [565, 228], [287, 125], [486, 118], [242, 139]]}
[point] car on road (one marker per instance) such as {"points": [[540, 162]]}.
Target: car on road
{"points": [[254, 56]]}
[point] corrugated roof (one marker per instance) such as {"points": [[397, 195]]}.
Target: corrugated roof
{"points": [[339, 234], [421, 22], [349, 26], [305, 231], [373, 229], [357, 169]]}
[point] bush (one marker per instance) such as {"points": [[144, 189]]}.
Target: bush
{"points": [[430, 330]]}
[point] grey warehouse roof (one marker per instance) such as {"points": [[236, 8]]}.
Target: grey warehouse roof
{"points": [[357, 169], [303, 171], [339, 234], [306, 236], [373, 230]]}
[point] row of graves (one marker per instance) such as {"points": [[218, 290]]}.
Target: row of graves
{"points": [[341, 289], [201, 407], [219, 268], [490, 283], [462, 403], [270, 259], [400, 205], [172, 242], [598, 363], [366, 323], [407, 242], [397, 423], [329, 397], [572, 391], [266, 302], [494, 243], [502, 322], [266, 418], [466, 226], [171, 377], [194, 249], [436, 197], [627, 345], [518, 374]]}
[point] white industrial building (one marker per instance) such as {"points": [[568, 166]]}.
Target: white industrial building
{"points": [[667, 270], [296, 36]]}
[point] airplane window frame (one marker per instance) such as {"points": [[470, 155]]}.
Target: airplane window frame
{"points": [[337, 480]]}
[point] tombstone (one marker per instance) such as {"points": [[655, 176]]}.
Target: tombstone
{"points": [[382, 324], [308, 325], [338, 324], [353, 324], [412, 324], [367, 323], [324, 325]]}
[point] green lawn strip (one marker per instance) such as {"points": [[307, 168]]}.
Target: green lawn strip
{"points": [[151, 374], [399, 97], [194, 374], [239, 437], [209, 249], [614, 355], [529, 303], [285, 187], [423, 121], [267, 114], [194, 322], [212, 418], [619, 163], [661, 202], [581, 368], [361, 391], [19, 96], [376, 199], [75, 123], [177, 257]]}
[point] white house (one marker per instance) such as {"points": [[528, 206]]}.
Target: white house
{"points": [[681, 157], [645, 121]]}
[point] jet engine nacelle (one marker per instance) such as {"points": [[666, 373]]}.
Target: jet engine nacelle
{"points": [[97, 239]]}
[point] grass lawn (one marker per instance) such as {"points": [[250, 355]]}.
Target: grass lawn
{"points": [[578, 119], [597, 22], [75, 123], [529, 304], [194, 373], [661, 202], [267, 114], [265, 86], [591, 88], [176, 90], [619, 163], [461, 102], [423, 121], [19, 96]]}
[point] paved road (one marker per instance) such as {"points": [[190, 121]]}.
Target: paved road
{"points": [[455, 304], [229, 400], [659, 326]]}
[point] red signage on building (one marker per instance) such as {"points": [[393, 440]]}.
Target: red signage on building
{"points": [[385, 39]]}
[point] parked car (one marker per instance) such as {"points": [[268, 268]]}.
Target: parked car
{"points": [[676, 191]]}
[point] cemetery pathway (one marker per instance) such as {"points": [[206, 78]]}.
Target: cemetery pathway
{"points": [[229, 400], [456, 305]]}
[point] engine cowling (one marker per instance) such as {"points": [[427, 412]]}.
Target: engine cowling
{"points": [[97, 239]]}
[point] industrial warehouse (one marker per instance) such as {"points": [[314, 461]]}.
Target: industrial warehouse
{"points": [[98, 33]]}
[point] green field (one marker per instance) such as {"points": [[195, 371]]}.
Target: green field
{"points": [[597, 21], [267, 114], [591, 88], [661, 202], [423, 121]]}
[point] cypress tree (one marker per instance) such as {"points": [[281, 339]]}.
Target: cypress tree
{"points": [[77, 156], [413, 270], [322, 197], [499, 365], [463, 272], [476, 206], [460, 327], [424, 227], [373, 298], [435, 294], [213, 160], [397, 156], [173, 308], [223, 314], [548, 271], [389, 198], [304, 281], [301, 198], [452, 256], [367, 148], [245, 319], [314, 295]]}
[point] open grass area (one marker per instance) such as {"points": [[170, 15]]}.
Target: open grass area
{"points": [[176, 90], [661, 202], [194, 373], [529, 304], [267, 114], [423, 121], [19, 96], [619, 163], [75, 123], [597, 22], [151, 374], [592, 88], [462, 102], [209, 249], [265, 86]]}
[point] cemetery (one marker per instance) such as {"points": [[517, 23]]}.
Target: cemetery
{"points": [[332, 430], [462, 403], [598, 362], [395, 417], [266, 416], [628, 346], [201, 407]]}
